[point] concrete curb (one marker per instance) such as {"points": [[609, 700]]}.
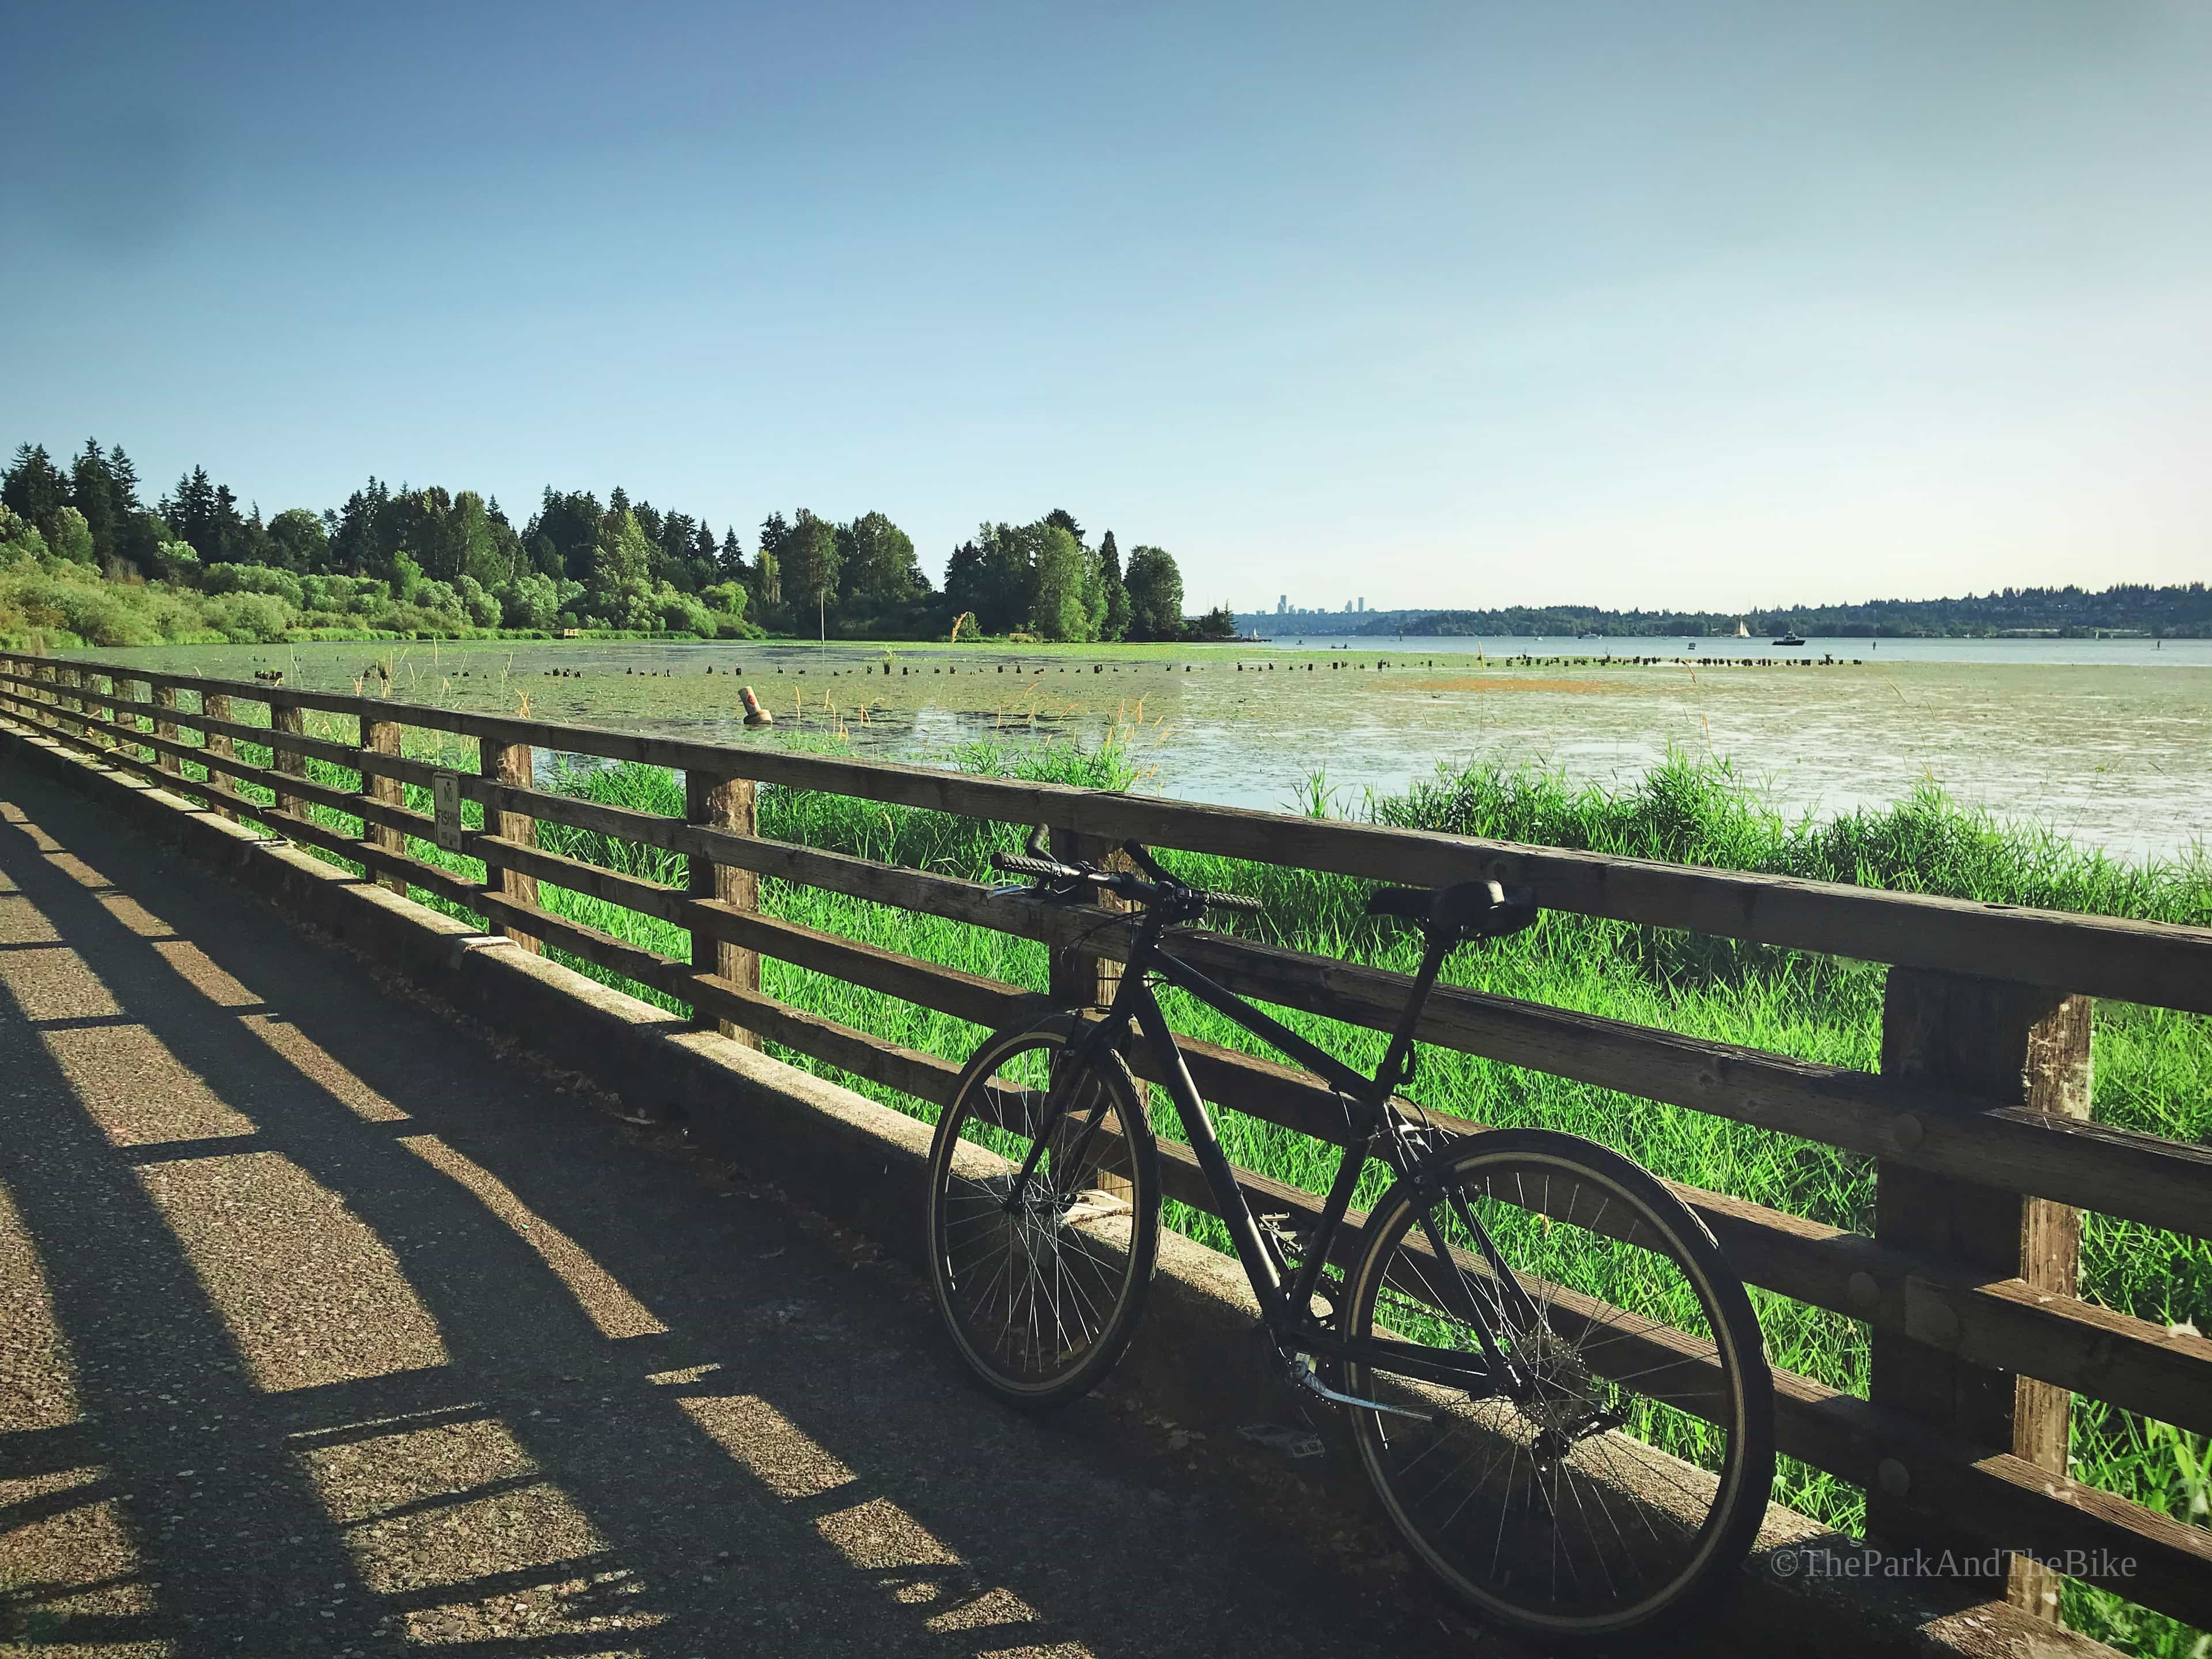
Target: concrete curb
{"points": [[862, 1165]]}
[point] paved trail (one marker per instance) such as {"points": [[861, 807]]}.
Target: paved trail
{"points": [[326, 1333]]}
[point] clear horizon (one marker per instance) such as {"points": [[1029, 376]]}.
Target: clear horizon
{"points": [[1455, 307]]}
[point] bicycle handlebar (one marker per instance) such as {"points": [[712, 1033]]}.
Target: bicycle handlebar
{"points": [[1161, 888]]}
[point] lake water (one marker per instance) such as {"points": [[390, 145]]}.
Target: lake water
{"points": [[2108, 741]]}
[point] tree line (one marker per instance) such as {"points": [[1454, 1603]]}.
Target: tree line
{"points": [[440, 561], [2181, 610]]}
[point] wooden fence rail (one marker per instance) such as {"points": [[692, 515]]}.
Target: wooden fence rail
{"points": [[1977, 1121]]}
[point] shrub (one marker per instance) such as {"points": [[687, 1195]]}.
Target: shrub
{"points": [[248, 618], [254, 579]]}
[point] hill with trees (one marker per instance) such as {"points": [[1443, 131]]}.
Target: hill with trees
{"points": [[85, 559]]}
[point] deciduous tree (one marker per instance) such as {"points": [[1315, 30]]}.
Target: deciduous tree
{"points": [[1155, 587]]}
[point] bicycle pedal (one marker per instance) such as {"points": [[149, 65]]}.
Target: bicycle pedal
{"points": [[1296, 1443]]}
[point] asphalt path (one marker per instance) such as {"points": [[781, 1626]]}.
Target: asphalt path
{"points": [[330, 1329]]}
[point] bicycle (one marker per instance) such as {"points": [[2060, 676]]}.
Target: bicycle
{"points": [[1556, 1387]]}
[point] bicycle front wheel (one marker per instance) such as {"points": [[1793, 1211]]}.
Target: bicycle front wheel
{"points": [[1616, 1479], [1041, 1290]]}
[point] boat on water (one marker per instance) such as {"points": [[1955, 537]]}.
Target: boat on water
{"points": [[1742, 632], [1790, 638]]}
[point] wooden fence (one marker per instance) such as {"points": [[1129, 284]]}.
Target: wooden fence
{"points": [[1978, 1121]]}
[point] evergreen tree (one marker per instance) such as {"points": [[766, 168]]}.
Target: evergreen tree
{"points": [[563, 536], [963, 577], [730, 559], [1116, 625], [232, 542], [190, 510], [1061, 518], [123, 481], [34, 488], [361, 537], [673, 546], [140, 539], [92, 492]]}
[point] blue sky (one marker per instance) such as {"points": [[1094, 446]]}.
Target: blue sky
{"points": [[1619, 304]]}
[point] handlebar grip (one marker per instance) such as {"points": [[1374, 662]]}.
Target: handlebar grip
{"points": [[1250, 907], [1014, 865]]}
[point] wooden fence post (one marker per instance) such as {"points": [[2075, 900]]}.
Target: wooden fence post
{"points": [[216, 707], [729, 804], [2016, 1045], [288, 721], [165, 696], [509, 763], [95, 716], [126, 690], [1081, 976], [382, 738]]}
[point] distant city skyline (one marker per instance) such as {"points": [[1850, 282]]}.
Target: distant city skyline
{"points": [[1615, 304]]}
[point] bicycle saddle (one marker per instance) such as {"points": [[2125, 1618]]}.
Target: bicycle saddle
{"points": [[1466, 909]]}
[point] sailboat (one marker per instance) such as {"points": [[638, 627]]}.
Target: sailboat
{"points": [[1742, 632]]}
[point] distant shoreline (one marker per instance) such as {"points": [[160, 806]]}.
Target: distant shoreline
{"points": [[2182, 611]]}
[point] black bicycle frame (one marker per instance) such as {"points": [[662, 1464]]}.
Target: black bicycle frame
{"points": [[1286, 1303]]}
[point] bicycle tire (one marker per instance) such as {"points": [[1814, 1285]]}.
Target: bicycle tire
{"points": [[1711, 1363], [1013, 1289]]}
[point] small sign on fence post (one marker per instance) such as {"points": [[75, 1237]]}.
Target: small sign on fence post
{"points": [[446, 805]]}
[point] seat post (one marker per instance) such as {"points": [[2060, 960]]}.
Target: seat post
{"points": [[1438, 946]]}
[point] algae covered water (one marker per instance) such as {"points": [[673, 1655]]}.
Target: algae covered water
{"points": [[2108, 742]]}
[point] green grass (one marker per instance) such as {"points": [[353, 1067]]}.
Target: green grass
{"points": [[2153, 1067]]}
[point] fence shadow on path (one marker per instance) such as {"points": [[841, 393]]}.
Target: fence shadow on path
{"points": [[328, 1331]]}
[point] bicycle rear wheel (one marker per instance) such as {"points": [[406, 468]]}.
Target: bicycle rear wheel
{"points": [[1041, 1297], [1622, 1483]]}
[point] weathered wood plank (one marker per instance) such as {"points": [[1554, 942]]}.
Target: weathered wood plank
{"points": [[728, 806], [647, 829], [509, 763], [381, 736], [632, 892], [966, 996], [218, 744], [1930, 1126], [2010, 1043], [288, 762]]}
